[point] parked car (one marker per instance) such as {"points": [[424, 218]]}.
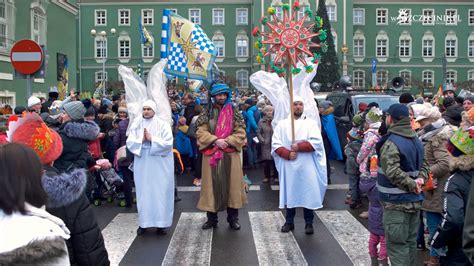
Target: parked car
{"points": [[346, 106]]}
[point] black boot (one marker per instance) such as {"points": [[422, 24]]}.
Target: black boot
{"points": [[176, 197], [141, 231], [234, 225], [287, 228], [308, 229], [208, 225]]}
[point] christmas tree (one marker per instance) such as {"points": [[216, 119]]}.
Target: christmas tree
{"points": [[328, 68]]}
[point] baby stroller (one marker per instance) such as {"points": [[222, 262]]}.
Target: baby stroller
{"points": [[110, 187]]}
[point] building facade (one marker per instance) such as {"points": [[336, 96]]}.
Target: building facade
{"points": [[51, 23]]}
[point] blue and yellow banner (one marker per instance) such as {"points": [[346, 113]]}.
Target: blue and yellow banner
{"points": [[191, 54]]}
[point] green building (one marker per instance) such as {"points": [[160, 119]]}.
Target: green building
{"points": [[51, 23], [417, 40]]}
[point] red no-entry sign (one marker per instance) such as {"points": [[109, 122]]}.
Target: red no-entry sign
{"points": [[26, 57]]}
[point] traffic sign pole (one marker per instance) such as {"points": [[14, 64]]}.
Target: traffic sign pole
{"points": [[29, 84]]}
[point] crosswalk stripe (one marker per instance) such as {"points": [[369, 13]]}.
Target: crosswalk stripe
{"points": [[349, 233], [119, 235], [274, 247], [331, 186], [190, 245]]}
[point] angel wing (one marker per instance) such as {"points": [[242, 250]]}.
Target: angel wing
{"points": [[275, 89], [135, 93], [156, 90], [302, 88]]}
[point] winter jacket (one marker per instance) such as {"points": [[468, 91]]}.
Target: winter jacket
{"points": [[468, 234], [183, 143], [351, 150], [189, 112], [452, 115], [75, 136], [369, 186], [120, 139], [434, 138], [367, 150], [328, 124], [251, 123], [389, 158], [456, 193], [67, 200], [264, 134], [34, 238]]}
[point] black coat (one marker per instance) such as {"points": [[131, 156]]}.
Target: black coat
{"points": [[189, 112], [456, 193], [76, 136], [67, 200], [452, 115]]}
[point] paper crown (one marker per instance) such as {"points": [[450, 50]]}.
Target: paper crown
{"points": [[33, 132]]}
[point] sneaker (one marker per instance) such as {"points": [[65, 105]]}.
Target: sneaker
{"points": [[355, 204], [364, 215], [197, 182]]}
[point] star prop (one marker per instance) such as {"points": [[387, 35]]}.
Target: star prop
{"points": [[288, 40]]}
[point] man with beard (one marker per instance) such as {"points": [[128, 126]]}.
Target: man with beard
{"points": [[220, 136], [151, 141], [301, 166]]}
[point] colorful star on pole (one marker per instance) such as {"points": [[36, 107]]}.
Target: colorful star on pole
{"points": [[289, 40]]}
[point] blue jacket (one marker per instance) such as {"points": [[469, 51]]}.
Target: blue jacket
{"points": [[250, 120], [183, 144], [329, 126]]}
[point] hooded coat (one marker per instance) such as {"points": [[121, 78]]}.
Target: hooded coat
{"points": [[456, 193], [264, 134], [67, 200], [76, 136]]}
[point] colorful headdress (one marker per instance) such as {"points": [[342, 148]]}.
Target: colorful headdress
{"points": [[33, 132]]}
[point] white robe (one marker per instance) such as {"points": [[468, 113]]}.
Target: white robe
{"points": [[303, 181], [153, 169]]}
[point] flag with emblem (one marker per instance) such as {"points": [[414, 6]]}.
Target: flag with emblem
{"points": [[191, 54]]}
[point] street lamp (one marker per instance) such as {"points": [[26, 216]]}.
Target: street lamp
{"points": [[344, 50], [103, 40]]}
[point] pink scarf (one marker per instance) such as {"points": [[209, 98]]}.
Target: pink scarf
{"points": [[223, 130]]}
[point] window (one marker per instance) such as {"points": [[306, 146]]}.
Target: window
{"points": [[359, 79], [8, 97], [428, 17], [38, 27], [451, 17], [242, 46], [100, 76], [381, 16], [406, 76], [124, 17], [382, 78], [219, 42], [242, 77], [279, 12], [195, 15], [470, 75], [405, 46], [242, 16], [300, 14], [124, 47], [101, 17], [217, 16], [100, 47], [407, 21], [174, 10], [359, 16], [450, 49], [427, 77], [381, 47], [451, 77], [471, 17], [148, 51], [147, 17], [470, 47], [428, 47], [3, 26], [331, 10], [359, 47]]}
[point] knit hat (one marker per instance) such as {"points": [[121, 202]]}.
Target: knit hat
{"points": [[469, 97], [398, 111], [462, 142], [33, 100], [356, 120], [106, 102], [75, 110], [374, 115], [33, 132], [406, 98], [90, 112], [218, 88], [122, 109], [431, 113], [325, 104], [362, 107]]}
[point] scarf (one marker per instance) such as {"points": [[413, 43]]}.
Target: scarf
{"points": [[223, 130], [431, 130]]}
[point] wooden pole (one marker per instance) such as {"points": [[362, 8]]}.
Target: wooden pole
{"points": [[290, 83]]}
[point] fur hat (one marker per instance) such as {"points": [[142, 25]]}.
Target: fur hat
{"points": [[33, 100], [75, 110], [374, 115], [33, 132], [462, 142], [122, 109], [431, 113]]}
